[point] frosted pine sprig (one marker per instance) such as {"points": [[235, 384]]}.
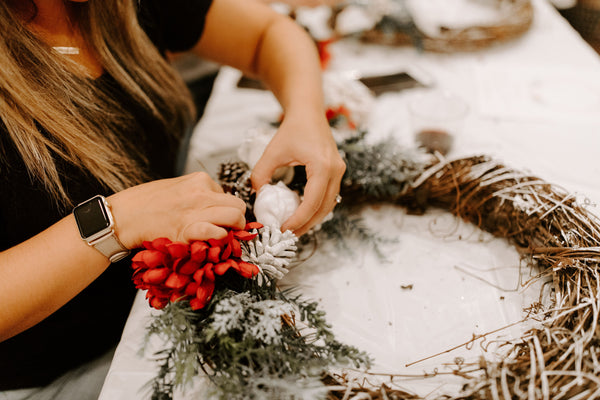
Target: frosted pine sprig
{"points": [[252, 318], [272, 251]]}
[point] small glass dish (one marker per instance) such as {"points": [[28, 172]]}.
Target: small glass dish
{"points": [[436, 117]]}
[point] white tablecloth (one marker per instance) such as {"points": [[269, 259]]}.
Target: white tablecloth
{"points": [[534, 105]]}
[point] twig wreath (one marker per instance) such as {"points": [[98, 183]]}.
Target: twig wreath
{"points": [[561, 238], [516, 19]]}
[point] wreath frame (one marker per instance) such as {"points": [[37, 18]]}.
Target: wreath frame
{"points": [[558, 235], [515, 23]]}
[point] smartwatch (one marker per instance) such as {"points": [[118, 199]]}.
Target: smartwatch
{"points": [[96, 227]]}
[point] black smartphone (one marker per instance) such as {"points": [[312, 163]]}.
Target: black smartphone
{"points": [[380, 84]]}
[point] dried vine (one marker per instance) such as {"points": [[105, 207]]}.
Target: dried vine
{"points": [[560, 358]]}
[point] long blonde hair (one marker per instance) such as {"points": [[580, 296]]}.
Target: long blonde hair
{"points": [[39, 93]]}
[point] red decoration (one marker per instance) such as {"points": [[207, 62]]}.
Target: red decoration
{"points": [[324, 53], [334, 114], [172, 271]]}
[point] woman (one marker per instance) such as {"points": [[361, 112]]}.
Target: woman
{"points": [[89, 107]]}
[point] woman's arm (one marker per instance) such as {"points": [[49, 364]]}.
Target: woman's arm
{"points": [[252, 37], [40, 275]]}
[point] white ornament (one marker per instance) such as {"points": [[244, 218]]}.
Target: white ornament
{"points": [[274, 204]]}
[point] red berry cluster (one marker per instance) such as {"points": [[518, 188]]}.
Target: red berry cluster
{"points": [[172, 271]]}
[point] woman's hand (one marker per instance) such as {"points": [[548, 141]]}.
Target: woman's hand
{"points": [[276, 50], [50, 263], [308, 142], [190, 207]]}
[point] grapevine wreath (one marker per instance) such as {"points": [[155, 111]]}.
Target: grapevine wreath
{"points": [[223, 315], [394, 26]]}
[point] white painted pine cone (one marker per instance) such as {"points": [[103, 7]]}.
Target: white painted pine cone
{"points": [[272, 251]]}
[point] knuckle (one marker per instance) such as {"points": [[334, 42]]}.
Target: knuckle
{"points": [[202, 229], [241, 220], [328, 163], [241, 204], [200, 177], [202, 197], [336, 165], [241, 211], [235, 202]]}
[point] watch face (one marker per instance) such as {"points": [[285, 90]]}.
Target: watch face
{"points": [[91, 217]]}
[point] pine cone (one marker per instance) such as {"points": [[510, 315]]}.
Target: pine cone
{"points": [[234, 177], [272, 251], [230, 172], [242, 188]]}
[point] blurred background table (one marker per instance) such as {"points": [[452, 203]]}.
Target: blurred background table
{"points": [[534, 105]]}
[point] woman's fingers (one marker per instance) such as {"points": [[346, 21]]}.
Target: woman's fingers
{"points": [[320, 198], [313, 202], [203, 231], [210, 223], [225, 200], [191, 207], [262, 172], [327, 205], [324, 169]]}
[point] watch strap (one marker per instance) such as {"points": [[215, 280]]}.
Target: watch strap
{"points": [[111, 247]]}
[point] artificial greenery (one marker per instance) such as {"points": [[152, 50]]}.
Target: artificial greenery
{"points": [[374, 172], [248, 344], [379, 172], [345, 228]]}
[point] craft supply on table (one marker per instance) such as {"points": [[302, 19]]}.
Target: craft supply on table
{"points": [[436, 117]]}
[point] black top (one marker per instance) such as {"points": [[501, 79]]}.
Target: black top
{"points": [[93, 321]]}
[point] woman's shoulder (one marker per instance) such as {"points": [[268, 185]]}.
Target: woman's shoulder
{"points": [[173, 25]]}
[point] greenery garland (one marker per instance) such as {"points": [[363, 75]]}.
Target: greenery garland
{"points": [[247, 343]]}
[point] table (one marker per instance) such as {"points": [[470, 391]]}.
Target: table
{"points": [[533, 105]]}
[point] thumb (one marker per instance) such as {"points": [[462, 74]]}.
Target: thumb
{"points": [[262, 173]]}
